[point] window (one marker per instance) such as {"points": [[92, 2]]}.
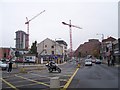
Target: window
{"points": [[45, 45], [30, 57], [52, 46], [65, 47]]}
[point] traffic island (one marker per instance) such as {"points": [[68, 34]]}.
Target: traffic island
{"points": [[55, 83]]}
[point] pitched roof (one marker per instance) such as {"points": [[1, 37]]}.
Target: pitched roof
{"points": [[61, 42], [109, 39]]}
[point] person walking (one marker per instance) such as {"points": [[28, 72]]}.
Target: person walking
{"points": [[108, 62], [10, 66], [113, 61]]}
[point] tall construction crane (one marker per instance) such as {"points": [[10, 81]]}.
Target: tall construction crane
{"points": [[27, 22], [70, 25]]}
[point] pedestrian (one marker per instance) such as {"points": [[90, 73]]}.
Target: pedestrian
{"points": [[108, 62], [113, 61], [10, 66]]}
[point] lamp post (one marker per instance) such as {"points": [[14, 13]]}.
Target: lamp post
{"points": [[101, 44]]}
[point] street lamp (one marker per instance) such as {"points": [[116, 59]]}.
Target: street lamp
{"points": [[102, 43]]}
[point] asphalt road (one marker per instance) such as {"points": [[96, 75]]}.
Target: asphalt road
{"points": [[36, 79], [96, 76]]}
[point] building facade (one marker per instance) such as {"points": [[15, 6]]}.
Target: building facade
{"points": [[112, 52], [50, 50], [21, 40], [92, 47], [64, 52], [6, 53], [107, 48]]}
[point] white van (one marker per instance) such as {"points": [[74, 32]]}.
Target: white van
{"points": [[29, 59]]}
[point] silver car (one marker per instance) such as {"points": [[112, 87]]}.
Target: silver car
{"points": [[3, 65], [88, 62]]}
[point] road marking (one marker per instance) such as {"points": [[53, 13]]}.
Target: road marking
{"points": [[39, 75], [65, 80], [12, 86], [32, 80], [62, 75], [8, 77], [69, 81], [28, 85]]}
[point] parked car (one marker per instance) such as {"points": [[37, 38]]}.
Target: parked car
{"points": [[98, 61], [29, 59], [88, 62], [93, 60], [3, 65]]}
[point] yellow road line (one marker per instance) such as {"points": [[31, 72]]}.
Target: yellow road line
{"points": [[12, 86], [32, 80], [69, 81]]}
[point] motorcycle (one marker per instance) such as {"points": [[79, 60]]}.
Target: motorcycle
{"points": [[53, 67]]}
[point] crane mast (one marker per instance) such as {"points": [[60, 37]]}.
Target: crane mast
{"points": [[70, 25], [27, 22]]}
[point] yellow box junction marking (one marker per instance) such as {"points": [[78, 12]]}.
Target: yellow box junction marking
{"points": [[28, 85], [33, 80], [12, 86]]}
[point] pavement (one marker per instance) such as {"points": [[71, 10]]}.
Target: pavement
{"points": [[105, 62]]}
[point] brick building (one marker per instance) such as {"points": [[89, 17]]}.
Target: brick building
{"points": [[5, 52], [107, 47], [92, 47]]}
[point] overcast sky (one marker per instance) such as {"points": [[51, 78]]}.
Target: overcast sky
{"points": [[94, 16]]}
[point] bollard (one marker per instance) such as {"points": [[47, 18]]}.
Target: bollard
{"points": [[55, 82], [14, 65], [78, 65]]}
